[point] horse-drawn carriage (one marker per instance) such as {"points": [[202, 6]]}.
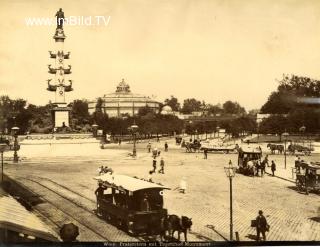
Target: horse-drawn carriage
{"points": [[178, 140], [293, 148], [131, 204], [192, 146], [247, 160], [276, 147], [307, 176]]}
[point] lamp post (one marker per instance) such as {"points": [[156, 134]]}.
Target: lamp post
{"points": [[230, 172], [3, 147], [15, 145], [133, 128], [302, 129], [218, 128], [285, 149], [95, 129]]}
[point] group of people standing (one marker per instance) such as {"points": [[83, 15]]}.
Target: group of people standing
{"points": [[155, 154]]}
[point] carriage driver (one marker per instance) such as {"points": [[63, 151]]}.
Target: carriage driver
{"points": [[99, 194], [145, 205]]}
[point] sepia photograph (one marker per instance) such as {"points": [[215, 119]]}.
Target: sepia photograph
{"points": [[160, 122]]}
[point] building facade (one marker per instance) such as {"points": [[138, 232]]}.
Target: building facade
{"points": [[123, 102]]}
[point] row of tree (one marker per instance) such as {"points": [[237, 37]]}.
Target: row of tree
{"points": [[294, 104], [194, 105]]}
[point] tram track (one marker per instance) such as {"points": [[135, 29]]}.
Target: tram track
{"points": [[85, 222]]}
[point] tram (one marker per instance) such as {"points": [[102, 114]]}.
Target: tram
{"points": [[130, 203], [308, 176], [18, 225]]}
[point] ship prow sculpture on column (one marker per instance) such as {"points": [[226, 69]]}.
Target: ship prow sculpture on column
{"points": [[59, 84]]}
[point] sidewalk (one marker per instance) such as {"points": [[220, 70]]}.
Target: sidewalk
{"points": [[287, 174]]}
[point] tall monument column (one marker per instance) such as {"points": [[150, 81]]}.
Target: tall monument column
{"points": [[61, 112]]}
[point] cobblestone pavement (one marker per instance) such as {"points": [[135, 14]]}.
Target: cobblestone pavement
{"points": [[291, 215]]}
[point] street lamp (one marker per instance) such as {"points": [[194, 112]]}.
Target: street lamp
{"points": [[95, 129], [3, 147], [218, 128], [133, 128], [302, 129], [285, 149], [230, 172], [15, 145]]}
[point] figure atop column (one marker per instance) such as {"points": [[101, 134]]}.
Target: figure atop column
{"points": [[59, 35], [60, 18]]}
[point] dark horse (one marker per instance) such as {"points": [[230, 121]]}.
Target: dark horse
{"points": [[173, 223], [274, 147]]}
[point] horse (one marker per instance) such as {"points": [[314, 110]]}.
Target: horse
{"points": [[174, 223], [192, 147], [274, 147]]}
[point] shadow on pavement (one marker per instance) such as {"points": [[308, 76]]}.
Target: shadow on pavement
{"points": [[252, 237], [316, 219], [200, 236]]}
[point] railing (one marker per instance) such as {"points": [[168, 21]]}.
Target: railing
{"points": [[57, 136]]}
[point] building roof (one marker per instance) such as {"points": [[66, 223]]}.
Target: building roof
{"points": [[127, 183], [14, 217]]}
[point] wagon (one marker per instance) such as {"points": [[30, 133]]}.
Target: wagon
{"points": [[308, 176], [293, 148], [132, 204], [247, 157]]}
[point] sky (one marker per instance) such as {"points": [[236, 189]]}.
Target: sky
{"points": [[211, 50]]}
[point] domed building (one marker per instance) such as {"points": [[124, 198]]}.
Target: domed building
{"points": [[167, 110], [123, 102]]}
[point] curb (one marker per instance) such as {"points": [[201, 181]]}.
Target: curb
{"points": [[288, 180]]}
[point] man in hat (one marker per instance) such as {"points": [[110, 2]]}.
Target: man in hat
{"points": [[145, 205], [161, 166], [261, 226], [273, 167], [166, 147], [154, 165]]}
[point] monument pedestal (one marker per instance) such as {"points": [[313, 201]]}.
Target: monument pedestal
{"points": [[61, 116]]}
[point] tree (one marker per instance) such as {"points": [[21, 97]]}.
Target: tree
{"points": [[275, 124], [191, 105], [230, 107], [80, 110], [173, 103], [214, 109]]}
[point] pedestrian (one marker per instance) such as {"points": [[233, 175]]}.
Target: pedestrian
{"points": [[166, 147], [149, 147], [155, 153], [150, 176], [161, 166], [263, 167], [297, 160], [262, 226], [154, 165], [159, 152], [183, 185], [266, 160], [205, 153], [273, 167], [119, 142]]}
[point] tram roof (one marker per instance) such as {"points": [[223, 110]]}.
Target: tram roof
{"points": [[14, 217], [128, 183], [250, 150]]}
